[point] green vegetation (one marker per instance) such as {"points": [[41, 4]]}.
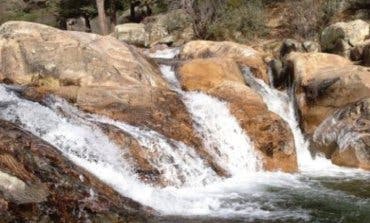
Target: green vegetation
{"points": [[311, 16], [238, 20]]}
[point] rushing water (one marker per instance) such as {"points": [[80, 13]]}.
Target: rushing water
{"points": [[320, 192]]}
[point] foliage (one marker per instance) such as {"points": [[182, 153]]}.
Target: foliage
{"points": [[238, 20], [228, 19], [310, 16]]}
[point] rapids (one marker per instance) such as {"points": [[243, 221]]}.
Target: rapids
{"points": [[320, 192]]}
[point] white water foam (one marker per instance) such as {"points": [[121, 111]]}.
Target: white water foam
{"points": [[280, 103], [220, 131], [259, 195], [178, 163], [89, 148]]}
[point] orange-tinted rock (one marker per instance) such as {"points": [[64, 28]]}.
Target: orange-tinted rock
{"points": [[271, 136], [204, 74], [241, 54], [99, 74], [326, 82], [156, 108], [306, 65]]}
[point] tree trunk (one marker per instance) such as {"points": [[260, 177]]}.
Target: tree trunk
{"points": [[102, 17], [113, 11]]}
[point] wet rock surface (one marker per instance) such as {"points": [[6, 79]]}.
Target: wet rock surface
{"points": [[99, 74], [37, 183], [345, 135], [271, 136]]}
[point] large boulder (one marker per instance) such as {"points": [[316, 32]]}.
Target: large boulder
{"points": [[345, 135], [340, 37], [132, 33], [99, 74], [204, 74], [326, 83], [241, 54], [306, 65], [40, 55], [38, 183], [271, 136]]}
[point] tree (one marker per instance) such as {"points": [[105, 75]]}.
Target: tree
{"points": [[102, 17]]}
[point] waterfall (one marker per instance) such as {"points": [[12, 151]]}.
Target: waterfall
{"points": [[248, 195], [77, 136], [282, 104], [222, 136], [178, 163]]}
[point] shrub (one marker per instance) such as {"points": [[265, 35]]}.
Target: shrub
{"points": [[238, 20], [225, 19], [309, 17]]}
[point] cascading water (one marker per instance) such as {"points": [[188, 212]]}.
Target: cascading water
{"points": [[179, 163], [258, 196], [222, 135], [76, 136], [282, 104]]}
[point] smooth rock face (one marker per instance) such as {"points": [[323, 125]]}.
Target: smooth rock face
{"points": [[340, 37], [241, 54], [99, 74], [204, 74], [330, 89], [38, 183], [345, 136], [305, 66], [132, 33], [270, 135], [40, 55]]}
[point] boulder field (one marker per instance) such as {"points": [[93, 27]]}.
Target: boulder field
{"points": [[104, 76]]}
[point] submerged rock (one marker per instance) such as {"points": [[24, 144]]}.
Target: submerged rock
{"points": [[345, 135], [38, 183], [241, 54], [270, 135]]}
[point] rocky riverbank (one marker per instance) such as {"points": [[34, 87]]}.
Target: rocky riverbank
{"points": [[105, 76]]}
